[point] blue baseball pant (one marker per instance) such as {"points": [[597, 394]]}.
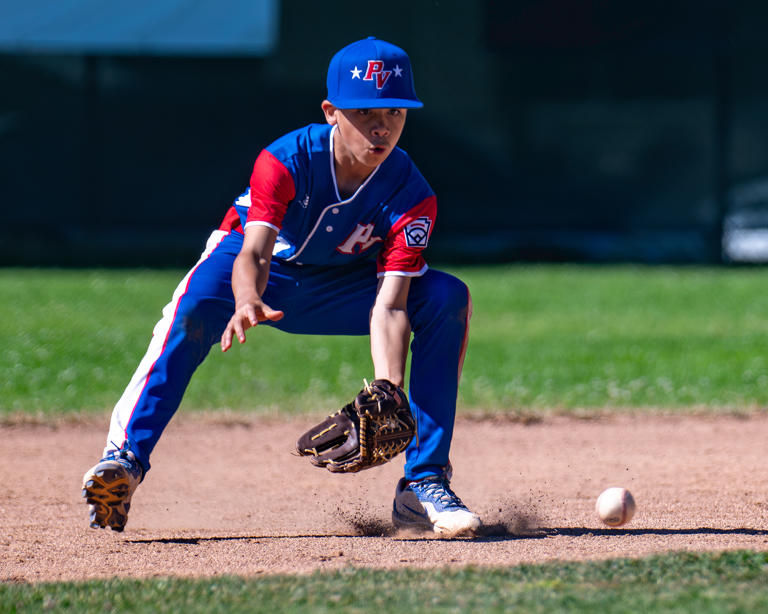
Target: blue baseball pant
{"points": [[315, 300]]}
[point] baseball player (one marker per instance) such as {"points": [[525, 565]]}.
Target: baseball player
{"points": [[328, 239]]}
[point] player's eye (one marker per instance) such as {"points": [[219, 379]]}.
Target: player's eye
{"points": [[364, 111], [395, 112]]}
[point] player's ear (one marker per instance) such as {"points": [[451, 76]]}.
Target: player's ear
{"points": [[330, 112]]}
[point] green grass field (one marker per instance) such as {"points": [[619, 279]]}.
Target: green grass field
{"points": [[548, 338], [701, 583], [558, 338]]}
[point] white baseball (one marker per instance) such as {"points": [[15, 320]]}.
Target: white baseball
{"points": [[615, 506]]}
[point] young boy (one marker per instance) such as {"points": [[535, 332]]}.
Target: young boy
{"points": [[328, 239]]}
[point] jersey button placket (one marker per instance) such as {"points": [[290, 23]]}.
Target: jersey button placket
{"points": [[334, 211]]}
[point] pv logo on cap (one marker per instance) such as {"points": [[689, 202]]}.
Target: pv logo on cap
{"points": [[375, 72]]}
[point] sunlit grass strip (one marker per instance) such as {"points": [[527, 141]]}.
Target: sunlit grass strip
{"points": [[568, 337], [543, 338], [681, 582]]}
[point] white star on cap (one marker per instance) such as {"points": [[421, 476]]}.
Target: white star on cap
{"points": [[355, 72], [398, 71]]}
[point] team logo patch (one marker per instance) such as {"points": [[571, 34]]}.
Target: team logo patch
{"points": [[417, 232]]}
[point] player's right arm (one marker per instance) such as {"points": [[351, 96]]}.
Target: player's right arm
{"points": [[249, 280], [272, 188]]}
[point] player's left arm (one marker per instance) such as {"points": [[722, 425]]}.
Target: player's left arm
{"points": [[390, 328]]}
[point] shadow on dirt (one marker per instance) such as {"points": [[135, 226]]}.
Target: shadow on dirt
{"points": [[195, 541], [587, 531], [514, 529]]}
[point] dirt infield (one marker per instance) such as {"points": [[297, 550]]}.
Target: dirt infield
{"points": [[232, 499]]}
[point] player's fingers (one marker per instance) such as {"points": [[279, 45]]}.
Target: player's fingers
{"points": [[226, 338], [250, 313], [239, 329], [271, 314]]}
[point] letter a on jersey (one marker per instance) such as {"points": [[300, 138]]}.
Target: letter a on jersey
{"points": [[360, 236]]}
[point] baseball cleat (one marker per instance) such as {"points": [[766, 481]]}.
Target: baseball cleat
{"points": [[108, 487], [431, 505]]}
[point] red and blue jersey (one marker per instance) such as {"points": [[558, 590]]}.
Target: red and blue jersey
{"points": [[293, 189]]}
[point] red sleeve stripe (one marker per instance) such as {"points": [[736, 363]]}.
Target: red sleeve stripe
{"points": [[397, 255], [426, 208], [272, 188]]}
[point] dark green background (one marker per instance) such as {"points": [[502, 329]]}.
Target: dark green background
{"points": [[552, 130]]}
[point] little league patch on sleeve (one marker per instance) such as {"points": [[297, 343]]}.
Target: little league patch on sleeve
{"points": [[417, 232]]}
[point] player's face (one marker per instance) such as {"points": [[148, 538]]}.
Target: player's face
{"points": [[365, 136]]}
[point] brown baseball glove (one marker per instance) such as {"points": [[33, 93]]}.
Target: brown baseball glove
{"points": [[369, 431]]}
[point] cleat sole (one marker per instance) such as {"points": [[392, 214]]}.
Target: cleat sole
{"points": [[108, 490]]}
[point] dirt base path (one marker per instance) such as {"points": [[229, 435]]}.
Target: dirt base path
{"points": [[231, 499]]}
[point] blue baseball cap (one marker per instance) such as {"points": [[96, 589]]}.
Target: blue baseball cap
{"points": [[371, 74]]}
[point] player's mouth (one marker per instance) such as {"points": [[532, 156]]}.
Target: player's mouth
{"points": [[377, 149]]}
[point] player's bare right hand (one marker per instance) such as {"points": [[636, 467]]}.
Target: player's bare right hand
{"points": [[245, 317]]}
